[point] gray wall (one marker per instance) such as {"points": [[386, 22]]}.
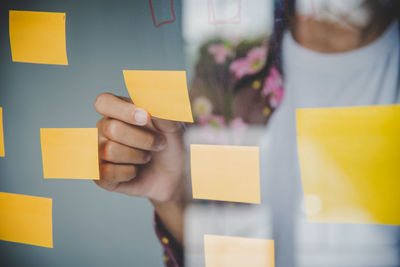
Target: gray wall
{"points": [[91, 227]]}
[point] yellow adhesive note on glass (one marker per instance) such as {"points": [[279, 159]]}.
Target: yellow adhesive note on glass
{"points": [[26, 219], [350, 163], [225, 173], [2, 152], [70, 153], [38, 37], [164, 94], [229, 251]]}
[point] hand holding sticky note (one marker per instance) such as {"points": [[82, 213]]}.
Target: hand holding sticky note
{"points": [[230, 251], [26, 219], [70, 153], [38, 37], [164, 94], [350, 163], [225, 173]]}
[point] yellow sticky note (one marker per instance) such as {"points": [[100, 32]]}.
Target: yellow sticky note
{"points": [[2, 152], [350, 163], [26, 219], [164, 94], [226, 173], [229, 251], [38, 37], [70, 153]]}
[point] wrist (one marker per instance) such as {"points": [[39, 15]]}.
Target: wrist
{"points": [[171, 206], [171, 214]]}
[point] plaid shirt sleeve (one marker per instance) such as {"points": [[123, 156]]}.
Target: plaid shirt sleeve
{"points": [[173, 251]]}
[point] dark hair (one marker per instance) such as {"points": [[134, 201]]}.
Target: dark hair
{"points": [[284, 12]]}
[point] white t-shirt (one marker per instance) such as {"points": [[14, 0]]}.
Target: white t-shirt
{"points": [[365, 76]]}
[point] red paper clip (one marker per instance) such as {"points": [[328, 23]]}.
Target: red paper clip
{"points": [[166, 21]]}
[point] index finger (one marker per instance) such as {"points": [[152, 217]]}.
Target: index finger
{"points": [[114, 107]]}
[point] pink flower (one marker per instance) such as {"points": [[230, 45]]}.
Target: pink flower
{"points": [[202, 108], [257, 57], [212, 120], [220, 52], [272, 82], [202, 120], [276, 98], [251, 64], [217, 121], [273, 86], [240, 67]]}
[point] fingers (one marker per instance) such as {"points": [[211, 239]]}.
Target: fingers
{"points": [[112, 106], [125, 134], [166, 126], [122, 109], [111, 151], [113, 174]]}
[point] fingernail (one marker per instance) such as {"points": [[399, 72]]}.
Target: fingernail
{"points": [[160, 143], [141, 116]]}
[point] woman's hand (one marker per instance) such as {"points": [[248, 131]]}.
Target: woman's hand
{"points": [[139, 155], [142, 156]]}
